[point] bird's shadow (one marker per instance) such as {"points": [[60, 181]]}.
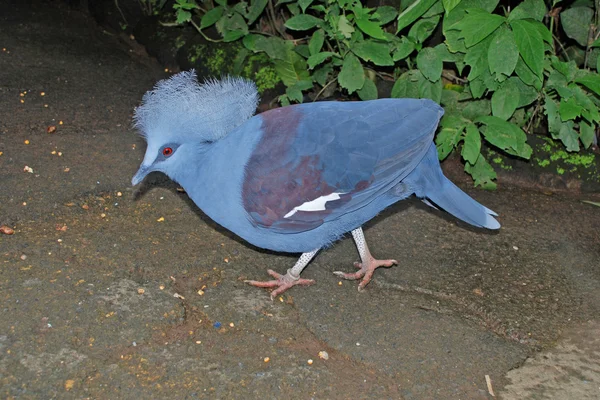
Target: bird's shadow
{"points": [[156, 179]]}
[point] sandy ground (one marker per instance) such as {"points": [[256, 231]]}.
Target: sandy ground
{"points": [[112, 292]]}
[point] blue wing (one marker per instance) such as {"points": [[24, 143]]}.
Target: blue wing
{"points": [[346, 152]]}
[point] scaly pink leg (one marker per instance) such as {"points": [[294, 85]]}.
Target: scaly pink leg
{"points": [[291, 278], [368, 265]]}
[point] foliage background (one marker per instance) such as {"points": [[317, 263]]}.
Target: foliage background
{"points": [[501, 70]]}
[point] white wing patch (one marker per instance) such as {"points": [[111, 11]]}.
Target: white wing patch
{"points": [[317, 204]]}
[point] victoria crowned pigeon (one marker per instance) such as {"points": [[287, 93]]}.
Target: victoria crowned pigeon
{"points": [[295, 179]]}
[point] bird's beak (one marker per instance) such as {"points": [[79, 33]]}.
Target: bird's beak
{"points": [[141, 174]]}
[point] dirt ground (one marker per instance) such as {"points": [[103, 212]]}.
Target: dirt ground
{"points": [[110, 292]]}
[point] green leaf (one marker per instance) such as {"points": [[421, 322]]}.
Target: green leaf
{"points": [[586, 133], [450, 135], [318, 58], [370, 28], [527, 75], [292, 68], [471, 144], [576, 23], [483, 174], [256, 8], [406, 86], [527, 94], [594, 203], [303, 50], [423, 28], [477, 87], [352, 75], [275, 47], [436, 9], [368, 91], [477, 58], [476, 108], [569, 109], [211, 17], [430, 64], [568, 69], [412, 12], [503, 53], [430, 90], [568, 136], [403, 49], [344, 27], [505, 136], [551, 111], [385, 14], [590, 110], [320, 75], [590, 81], [369, 50], [304, 4], [302, 22], [232, 36], [477, 25], [530, 45], [544, 32], [450, 4], [183, 16], [505, 100], [316, 41], [535, 9]]}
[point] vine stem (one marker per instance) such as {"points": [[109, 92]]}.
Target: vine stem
{"points": [[323, 89]]}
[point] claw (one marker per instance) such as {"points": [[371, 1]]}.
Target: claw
{"points": [[365, 271], [281, 282]]}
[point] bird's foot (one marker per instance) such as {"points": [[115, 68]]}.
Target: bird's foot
{"points": [[365, 271], [281, 282]]}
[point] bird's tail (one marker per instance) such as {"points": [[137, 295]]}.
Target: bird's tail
{"points": [[430, 183]]}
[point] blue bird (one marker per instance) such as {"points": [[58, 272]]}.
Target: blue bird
{"points": [[295, 179]]}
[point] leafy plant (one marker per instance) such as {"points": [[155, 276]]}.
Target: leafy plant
{"points": [[499, 73]]}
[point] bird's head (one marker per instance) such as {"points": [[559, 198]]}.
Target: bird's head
{"points": [[181, 117]]}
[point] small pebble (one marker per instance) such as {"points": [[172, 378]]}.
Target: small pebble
{"points": [[324, 355], [23, 257]]}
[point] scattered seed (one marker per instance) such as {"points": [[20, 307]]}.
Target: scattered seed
{"points": [[51, 129], [201, 292], [42, 93], [69, 383], [231, 324], [23, 257], [26, 141], [324, 355], [102, 215], [85, 207], [67, 169], [60, 122], [161, 219], [7, 230], [119, 194], [310, 361], [162, 287], [226, 260], [179, 296], [28, 169], [198, 341], [340, 283], [141, 291], [266, 359], [478, 292]]}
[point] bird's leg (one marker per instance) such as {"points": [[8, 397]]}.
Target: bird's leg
{"points": [[368, 265], [291, 278]]}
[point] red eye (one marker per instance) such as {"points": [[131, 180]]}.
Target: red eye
{"points": [[167, 151]]}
